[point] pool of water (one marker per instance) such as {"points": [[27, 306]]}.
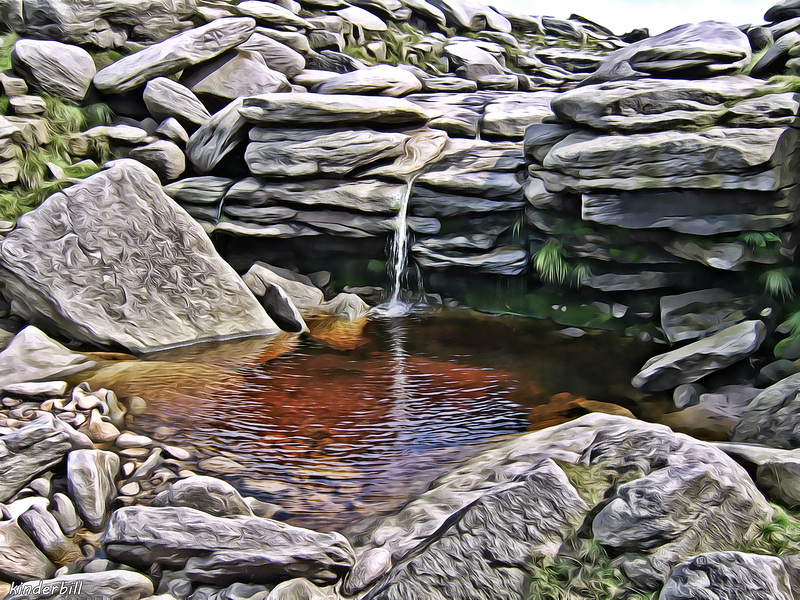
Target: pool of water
{"points": [[350, 421]]}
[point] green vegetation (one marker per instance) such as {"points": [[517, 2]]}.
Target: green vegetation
{"points": [[779, 536], [778, 283], [6, 44], [758, 240], [550, 263]]}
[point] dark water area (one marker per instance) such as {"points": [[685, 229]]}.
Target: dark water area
{"points": [[349, 422]]}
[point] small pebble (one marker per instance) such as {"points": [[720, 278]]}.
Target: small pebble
{"points": [[134, 453], [130, 489], [177, 453], [11, 402], [128, 468], [99, 565], [131, 440]]}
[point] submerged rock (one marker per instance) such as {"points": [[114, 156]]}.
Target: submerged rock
{"points": [[700, 358], [224, 550], [209, 494], [169, 285]]}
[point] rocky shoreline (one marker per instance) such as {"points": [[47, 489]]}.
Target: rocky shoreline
{"points": [[181, 166]]}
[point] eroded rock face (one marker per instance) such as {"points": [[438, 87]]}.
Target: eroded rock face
{"points": [[169, 286], [223, 550]]}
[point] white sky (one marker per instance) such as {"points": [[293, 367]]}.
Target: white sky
{"points": [[658, 15]]}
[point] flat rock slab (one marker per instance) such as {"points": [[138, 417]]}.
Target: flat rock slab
{"points": [[321, 109], [231, 76], [32, 356], [176, 53], [54, 68], [109, 585], [729, 576], [169, 286], [694, 315], [167, 98], [224, 550], [700, 358], [33, 449], [383, 80], [508, 117], [691, 51]]}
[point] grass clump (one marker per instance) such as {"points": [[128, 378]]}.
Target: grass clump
{"points": [[778, 283], [551, 264]]}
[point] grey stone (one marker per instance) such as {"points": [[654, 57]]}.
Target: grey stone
{"points": [[504, 260], [66, 514], [694, 50], [235, 74], [697, 314], [208, 494], [473, 56], [345, 307], [771, 110], [367, 196], [694, 211], [472, 15], [277, 56], [293, 39], [384, 80], [782, 11], [216, 137], [760, 37], [362, 18], [109, 585], [774, 60], [20, 559], [302, 152], [272, 15], [729, 576], [540, 138], [90, 477], [423, 149], [448, 84], [44, 530], [199, 190], [775, 371], [643, 280], [300, 589], [691, 362], [157, 298], [512, 523], [654, 104], [171, 129], [43, 390], [510, 116], [338, 223], [429, 203], [317, 109], [223, 550], [281, 310], [427, 11], [163, 156], [305, 296], [172, 55], [32, 356], [167, 98], [773, 418], [687, 394], [780, 479], [54, 68], [33, 449]]}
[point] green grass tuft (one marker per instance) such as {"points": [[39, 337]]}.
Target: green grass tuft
{"points": [[6, 45], [778, 283], [550, 263]]}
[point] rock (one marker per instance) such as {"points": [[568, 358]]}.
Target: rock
{"points": [[687, 394], [235, 74], [280, 309], [773, 418], [303, 294], [504, 260], [365, 196], [509, 117], [693, 211], [782, 11], [512, 523], [172, 55], [98, 430], [33, 449], [109, 585], [774, 60], [90, 477], [293, 39], [346, 307], [167, 98], [780, 479], [427, 12], [131, 440], [474, 58], [775, 371], [208, 494], [384, 80], [299, 589], [629, 106], [43, 390], [216, 137], [174, 264], [54, 68], [223, 550], [171, 129], [729, 576], [44, 530], [710, 354], [199, 190], [272, 15], [306, 152], [32, 356], [222, 465], [20, 559], [754, 159], [277, 56], [472, 15], [164, 157], [429, 203], [448, 84], [362, 18], [760, 37], [691, 51], [65, 514], [314, 109], [695, 315]]}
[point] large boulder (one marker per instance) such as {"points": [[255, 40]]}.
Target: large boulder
{"points": [[694, 361], [773, 418], [224, 550], [691, 51], [690, 316], [115, 262], [233, 75], [20, 559], [32, 356], [54, 68], [174, 54]]}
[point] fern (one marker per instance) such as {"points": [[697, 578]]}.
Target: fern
{"points": [[758, 240]]}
